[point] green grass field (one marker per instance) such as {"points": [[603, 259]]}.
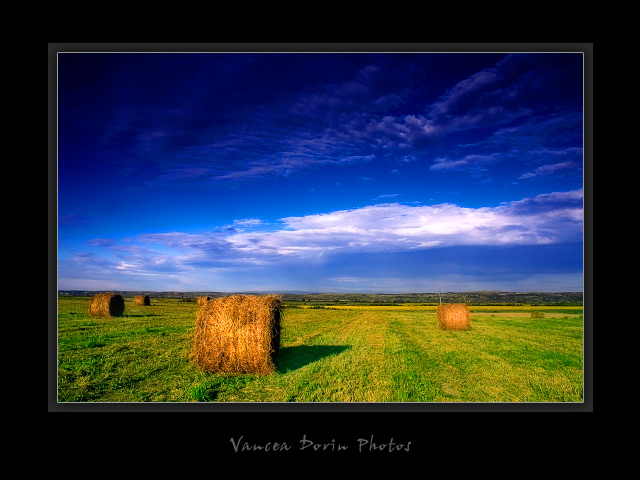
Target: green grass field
{"points": [[328, 354]]}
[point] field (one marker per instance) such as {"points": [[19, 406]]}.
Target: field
{"points": [[329, 353]]}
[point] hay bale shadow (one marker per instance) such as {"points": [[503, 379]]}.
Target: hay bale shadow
{"points": [[293, 358]]}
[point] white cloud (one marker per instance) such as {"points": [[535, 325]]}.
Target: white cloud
{"points": [[305, 242], [124, 266], [383, 228], [546, 219]]}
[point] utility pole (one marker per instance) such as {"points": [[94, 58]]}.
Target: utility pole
{"points": [[439, 297]]}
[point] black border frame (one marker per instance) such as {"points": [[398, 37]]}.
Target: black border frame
{"points": [[588, 52]]}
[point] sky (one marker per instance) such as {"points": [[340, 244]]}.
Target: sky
{"points": [[320, 172]]}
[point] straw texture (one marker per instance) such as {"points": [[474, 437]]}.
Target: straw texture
{"points": [[202, 300], [106, 305], [454, 316], [141, 300], [238, 334]]}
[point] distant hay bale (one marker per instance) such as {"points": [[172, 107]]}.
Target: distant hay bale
{"points": [[106, 305], [141, 300], [238, 334], [202, 300], [454, 316], [537, 314]]}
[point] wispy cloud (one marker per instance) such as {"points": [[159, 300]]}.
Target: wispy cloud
{"points": [[469, 162], [557, 130], [335, 121], [550, 169]]}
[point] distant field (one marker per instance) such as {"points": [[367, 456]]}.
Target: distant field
{"points": [[521, 309], [329, 353]]}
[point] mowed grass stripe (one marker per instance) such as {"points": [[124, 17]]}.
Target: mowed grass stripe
{"points": [[344, 361]]}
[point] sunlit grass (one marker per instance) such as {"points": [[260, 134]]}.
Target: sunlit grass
{"points": [[333, 354]]}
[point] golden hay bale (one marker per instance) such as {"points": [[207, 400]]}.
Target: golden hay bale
{"points": [[454, 316], [238, 334], [202, 300], [106, 305], [141, 300]]}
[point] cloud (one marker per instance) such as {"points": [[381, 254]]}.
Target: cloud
{"points": [[557, 205], [465, 92], [491, 97], [559, 130], [124, 266], [553, 144], [549, 169], [389, 227], [344, 242], [552, 218], [544, 219], [474, 162], [333, 118], [247, 222], [102, 242], [555, 161]]}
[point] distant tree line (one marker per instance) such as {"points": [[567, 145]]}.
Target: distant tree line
{"points": [[471, 298]]}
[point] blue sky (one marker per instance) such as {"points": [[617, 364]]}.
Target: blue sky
{"points": [[320, 172]]}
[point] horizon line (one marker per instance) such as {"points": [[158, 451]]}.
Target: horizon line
{"points": [[300, 292]]}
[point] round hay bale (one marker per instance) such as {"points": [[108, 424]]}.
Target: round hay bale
{"points": [[238, 334], [142, 300], [202, 300], [106, 305], [454, 316]]}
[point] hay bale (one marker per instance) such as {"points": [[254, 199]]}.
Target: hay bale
{"points": [[106, 305], [537, 314], [141, 300], [454, 316], [202, 300], [238, 334]]}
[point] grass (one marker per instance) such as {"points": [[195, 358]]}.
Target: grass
{"points": [[333, 354]]}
